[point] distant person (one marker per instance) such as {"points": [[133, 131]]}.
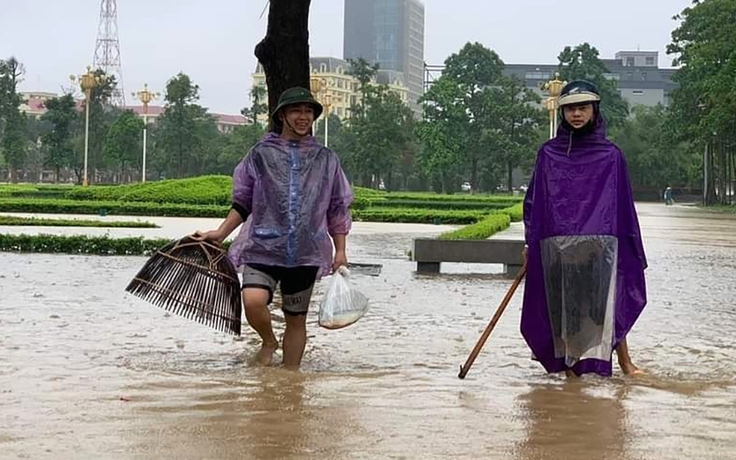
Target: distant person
{"points": [[585, 285], [293, 196], [668, 200]]}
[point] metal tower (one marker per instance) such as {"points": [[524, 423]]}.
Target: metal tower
{"points": [[107, 49]]}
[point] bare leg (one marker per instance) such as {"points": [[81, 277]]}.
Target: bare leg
{"points": [[624, 359], [295, 339], [259, 318]]}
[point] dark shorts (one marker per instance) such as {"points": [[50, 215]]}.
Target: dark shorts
{"points": [[297, 284]]}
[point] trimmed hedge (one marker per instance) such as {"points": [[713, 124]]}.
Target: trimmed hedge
{"points": [[110, 207], [493, 223], [80, 244], [34, 191], [371, 214], [490, 225], [203, 190], [429, 196], [443, 204], [417, 216], [14, 221]]}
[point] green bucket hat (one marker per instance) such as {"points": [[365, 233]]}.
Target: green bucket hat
{"points": [[297, 95]]}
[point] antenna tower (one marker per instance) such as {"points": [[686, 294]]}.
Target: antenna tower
{"points": [[107, 49]]}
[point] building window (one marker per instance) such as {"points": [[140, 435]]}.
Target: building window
{"points": [[644, 76], [637, 92], [650, 60], [629, 75], [537, 75], [323, 68], [630, 61]]}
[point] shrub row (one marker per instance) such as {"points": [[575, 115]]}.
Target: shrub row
{"points": [[418, 216], [216, 190], [33, 191], [14, 221], [443, 204], [111, 207], [203, 190], [428, 196], [491, 224], [370, 214], [80, 244]]}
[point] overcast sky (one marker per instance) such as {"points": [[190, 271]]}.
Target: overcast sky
{"points": [[213, 40]]}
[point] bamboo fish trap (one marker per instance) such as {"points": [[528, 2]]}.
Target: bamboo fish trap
{"points": [[195, 280]]}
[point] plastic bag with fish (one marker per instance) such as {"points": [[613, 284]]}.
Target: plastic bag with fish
{"points": [[343, 305]]}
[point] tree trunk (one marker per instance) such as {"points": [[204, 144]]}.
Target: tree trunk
{"points": [[56, 174], [473, 175], [510, 177], [284, 52]]}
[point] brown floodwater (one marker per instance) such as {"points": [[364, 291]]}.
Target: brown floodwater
{"points": [[87, 371]]}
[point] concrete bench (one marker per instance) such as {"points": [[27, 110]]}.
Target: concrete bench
{"points": [[429, 253]]}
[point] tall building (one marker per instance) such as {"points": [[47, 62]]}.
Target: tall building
{"points": [[389, 33]]}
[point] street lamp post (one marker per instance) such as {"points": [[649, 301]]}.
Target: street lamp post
{"points": [[88, 82], [553, 88], [327, 104], [145, 96], [319, 87]]}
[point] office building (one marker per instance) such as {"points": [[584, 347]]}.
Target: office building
{"points": [[389, 33]]}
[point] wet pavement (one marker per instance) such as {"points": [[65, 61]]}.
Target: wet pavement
{"points": [[87, 371]]}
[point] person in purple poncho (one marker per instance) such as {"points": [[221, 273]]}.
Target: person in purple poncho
{"points": [[293, 197], [585, 285]]}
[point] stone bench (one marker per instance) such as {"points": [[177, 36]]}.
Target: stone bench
{"points": [[429, 253]]}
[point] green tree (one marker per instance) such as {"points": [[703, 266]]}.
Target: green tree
{"points": [[378, 134], [656, 157], [258, 96], [583, 62], [183, 127], [12, 121], [123, 143], [519, 119], [704, 104], [477, 123], [442, 133], [58, 145], [237, 145]]}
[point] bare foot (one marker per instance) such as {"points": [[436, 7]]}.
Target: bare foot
{"points": [[264, 357], [570, 374], [628, 368]]}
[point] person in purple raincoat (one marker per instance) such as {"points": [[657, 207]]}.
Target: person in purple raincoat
{"points": [[292, 195], [585, 285]]}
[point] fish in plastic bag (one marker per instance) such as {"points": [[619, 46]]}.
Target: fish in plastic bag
{"points": [[343, 304]]}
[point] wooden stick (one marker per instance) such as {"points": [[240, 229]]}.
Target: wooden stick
{"points": [[487, 332]]}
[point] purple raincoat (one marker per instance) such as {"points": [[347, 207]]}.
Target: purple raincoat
{"points": [[297, 196], [585, 285]]}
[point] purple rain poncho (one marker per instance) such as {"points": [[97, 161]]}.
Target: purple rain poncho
{"points": [[585, 285], [296, 194]]}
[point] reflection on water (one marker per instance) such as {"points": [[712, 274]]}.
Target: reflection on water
{"points": [[87, 371], [569, 421]]}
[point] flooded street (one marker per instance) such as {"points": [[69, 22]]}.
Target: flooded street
{"points": [[88, 371]]}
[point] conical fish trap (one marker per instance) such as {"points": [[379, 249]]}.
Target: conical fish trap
{"points": [[195, 280]]}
